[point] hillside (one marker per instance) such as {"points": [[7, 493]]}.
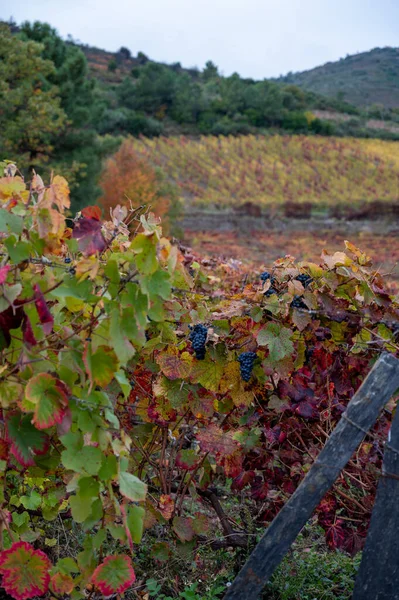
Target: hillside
{"points": [[361, 79], [281, 172]]}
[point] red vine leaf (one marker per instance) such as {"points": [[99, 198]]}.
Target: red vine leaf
{"points": [[90, 238], [92, 212], [114, 576], [27, 332], [335, 534], [25, 571], [166, 506], [45, 316]]}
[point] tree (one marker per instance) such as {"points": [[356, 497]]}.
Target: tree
{"points": [[112, 65], [127, 178], [31, 116], [124, 53], [210, 71], [78, 152]]}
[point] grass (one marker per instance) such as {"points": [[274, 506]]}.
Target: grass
{"points": [[312, 572]]}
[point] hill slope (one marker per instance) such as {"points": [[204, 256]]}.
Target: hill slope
{"points": [[362, 79], [337, 173]]}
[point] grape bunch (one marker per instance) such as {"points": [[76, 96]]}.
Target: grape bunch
{"points": [[297, 302], [266, 275], [304, 279], [197, 338], [270, 292], [246, 360]]}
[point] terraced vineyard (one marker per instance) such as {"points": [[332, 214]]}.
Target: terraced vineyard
{"points": [[226, 172]]}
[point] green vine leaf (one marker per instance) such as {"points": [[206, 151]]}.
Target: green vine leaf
{"points": [[132, 487], [26, 440], [278, 340], [101, 366]]}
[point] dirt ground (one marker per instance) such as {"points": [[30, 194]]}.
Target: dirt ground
{"points": [[306, 242]]}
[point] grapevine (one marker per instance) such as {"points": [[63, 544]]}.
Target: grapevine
{"points": [[111, 385]]}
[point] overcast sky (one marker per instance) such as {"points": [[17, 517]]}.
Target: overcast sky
{"points": [[256, 38]]}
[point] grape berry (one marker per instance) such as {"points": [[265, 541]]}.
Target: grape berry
{"points": [[297, 302], [304, 279], [270, 292], [266, 275], [246, 360], [198, 339]]}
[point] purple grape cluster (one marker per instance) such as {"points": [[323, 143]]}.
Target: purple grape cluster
{"points": [[297, 302], [246, 360], [266, 275], [197, 338], [304, 279], [270, 292]]}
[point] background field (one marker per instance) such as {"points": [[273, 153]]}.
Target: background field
{"points": [[227, 172]]}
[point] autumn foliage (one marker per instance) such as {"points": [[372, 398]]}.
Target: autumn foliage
{"points": [[128, 179]]}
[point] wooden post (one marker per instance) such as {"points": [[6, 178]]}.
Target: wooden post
{"points": [[378, 576], [360, 415]]}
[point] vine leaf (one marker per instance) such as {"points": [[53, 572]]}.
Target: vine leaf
{"points": [[90, 238], [201, 523], [48, 398], [187, 459], [58, 193], [145, 248], [114, 576], [61, 583], [208, 373], [92, 212], [223, 446], [101, 366], [232, 383], [173, 365], [335, 533], [161, 551], [183, 528], [26, 440], [132, 487], [45, 316], [27, 332], [166, 506], [25, 571], [278, 340]]}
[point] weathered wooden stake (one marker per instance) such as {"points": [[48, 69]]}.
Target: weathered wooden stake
{"points": [[378, 576], [360, 415]]}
